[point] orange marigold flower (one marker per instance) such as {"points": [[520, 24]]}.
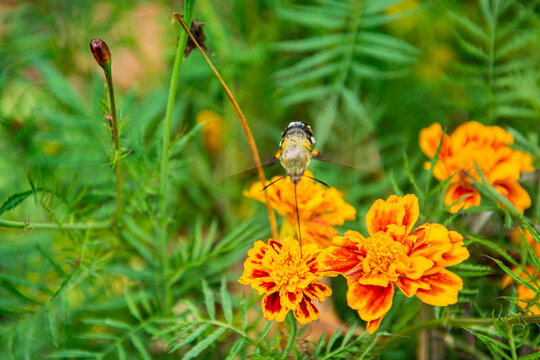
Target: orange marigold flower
{"points": [[394, 254], [320, 209], [288, 277], [523, 292], [486, 146]]}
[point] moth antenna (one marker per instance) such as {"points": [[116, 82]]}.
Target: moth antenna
{"points": [[264, 164], [319, 181], [273, 182], [298, 220]]}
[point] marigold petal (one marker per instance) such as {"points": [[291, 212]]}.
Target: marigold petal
{"points": [[317, 290], [430, 138], [374, 278], [459, 252], [432, 242], [306, 312], [410, 286], [372, 302], [444, 287], [419, 265], [373, 325], [515, 193], [342, 257], [272, 307], [457, 191], [290, 299], [395, 212]]}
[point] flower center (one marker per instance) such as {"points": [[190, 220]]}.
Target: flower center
{"points": [[383, 255], [288, 267]]}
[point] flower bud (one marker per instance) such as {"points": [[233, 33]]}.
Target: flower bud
{"points": [[101, 52]]}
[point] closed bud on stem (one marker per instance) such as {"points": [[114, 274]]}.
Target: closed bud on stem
{"points": [[101, 53]]}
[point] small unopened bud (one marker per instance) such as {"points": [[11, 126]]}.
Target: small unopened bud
{"points": [[101, 52], [108, 117]]}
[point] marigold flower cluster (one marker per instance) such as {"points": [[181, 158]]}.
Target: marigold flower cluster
{"points": [[395, 255], [319, 208], [486, 146], [392, 255], [288, 277]]}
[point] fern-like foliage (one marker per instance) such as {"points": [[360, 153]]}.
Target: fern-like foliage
{"points": [[498, 65], [346, 47]]}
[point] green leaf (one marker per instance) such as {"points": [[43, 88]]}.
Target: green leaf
{"points": [[209, 300], [312, 93], [266, 330], [50, 323], [13, 290], [471, 27], [238, 346], [310, 44], [140, 347], [191, 337], [200, 347], [226, 301], [132, 306], [121, 351], [494, 346], [292, 327], [412, 178], [72, 353], [320, 344], [108, 322], [14, 200], [333, 339], [516, 278]]}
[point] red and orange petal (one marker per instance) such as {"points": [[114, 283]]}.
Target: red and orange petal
{"points": [[343, 256], [515, 194], [272, 307], [443, 288], [464, 190], [443, 247], [371, 302], [395, 216]]}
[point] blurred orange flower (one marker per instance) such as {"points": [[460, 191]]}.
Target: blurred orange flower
{"points": [[486, 146], [213, 130], [288, 277], [414, 261], [523, 292], [320, 209]]}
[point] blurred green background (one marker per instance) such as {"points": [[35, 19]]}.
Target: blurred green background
{"points": [[367, 75]]}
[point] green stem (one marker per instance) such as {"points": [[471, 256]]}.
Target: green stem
{"points": [[457, 323], [511, 342], [470, 322], [116, 140], [173, 85], [45, 226]]}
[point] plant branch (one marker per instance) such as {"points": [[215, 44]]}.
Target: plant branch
{"points": [[166, 138], [46, 226], [245, 127]]}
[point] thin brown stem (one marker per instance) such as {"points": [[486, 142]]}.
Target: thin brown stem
{"points": [[245, 127]]}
